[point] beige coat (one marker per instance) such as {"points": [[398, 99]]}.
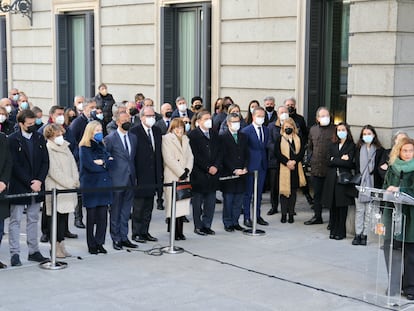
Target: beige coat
{"points": [[176, 157], [63, 174]]}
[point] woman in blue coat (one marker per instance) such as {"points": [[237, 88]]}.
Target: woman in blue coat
{"points": [[94, 162]]}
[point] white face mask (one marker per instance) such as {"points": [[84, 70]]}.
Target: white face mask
{"points": [[2, 118], [284, 116], [182, 107], [59, 140], [235, 126], [208, 124], [100, 116], [149, 121], [251, 110], [79, 106], [324, 121], [8, 109], [60, 120], [259, 120]]}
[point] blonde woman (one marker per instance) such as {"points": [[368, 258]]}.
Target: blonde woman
{"points": [[63, 174], [93, 165], [178, 164]]}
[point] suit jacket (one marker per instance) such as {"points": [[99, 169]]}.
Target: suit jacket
{"points": [[272, 119], [257, 149], [236, 156], [122, 169], [78, 127], [162, 126], [176, 114], [148, 163], [26, 168], [206, 153], [5, 173]]}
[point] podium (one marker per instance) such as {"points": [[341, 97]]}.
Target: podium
{"points": [[386, 234]]}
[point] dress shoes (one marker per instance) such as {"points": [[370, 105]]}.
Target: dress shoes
{"points": [[332, 236], [127, 243], [2, 265], [101, 249], [199, 231], [262, 222], [160, 206], [70, 235], [208, 231], [238, 227], [314, 221], [410, 296], [79, 224], [272, 211], [248, 223], [117, 246], [291, 219], [37, 256], [229, 228], [338, 237], [185, 219], [180, 237], [93, 251], [15, 260], [139, 239], [357, 240], [283, 219], [150, 238], [44, 238]]}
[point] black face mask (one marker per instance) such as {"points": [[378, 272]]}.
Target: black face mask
{"points": [[31, 129], [291, 110], [197, 107], [270, 108], [133, 111], [126, 126], [72, 118], [168, 114], [288, 130]]}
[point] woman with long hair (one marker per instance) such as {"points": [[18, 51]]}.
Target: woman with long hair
{"points": [[252, 105]]}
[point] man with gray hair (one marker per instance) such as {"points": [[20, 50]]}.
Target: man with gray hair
{"points": [[269, 105], [116, 108], [182, 110]]}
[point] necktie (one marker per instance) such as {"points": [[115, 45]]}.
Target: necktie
{"points": [[150, 138], [167, 123], [126, 144], [207, 134], [235, 137], [260, 134]]}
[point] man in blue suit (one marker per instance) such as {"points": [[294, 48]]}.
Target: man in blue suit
{"points": [[258, 136], [122, 147]]}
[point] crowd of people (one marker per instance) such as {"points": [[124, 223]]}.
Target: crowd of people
{"points": [[100, 143]]}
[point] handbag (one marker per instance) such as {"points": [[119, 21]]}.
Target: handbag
{"points": [[345, 178], [356, 180], [184, 191]]}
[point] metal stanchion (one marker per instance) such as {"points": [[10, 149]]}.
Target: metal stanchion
{"points": [[53, 264], [171, 249], [254, 231]]}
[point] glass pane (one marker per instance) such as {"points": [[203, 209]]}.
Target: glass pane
{"points": [[187, 53], [78, 54]]}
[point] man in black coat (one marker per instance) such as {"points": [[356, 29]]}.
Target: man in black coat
{"points": [[148, 167], [204, 177], [234, 164], [269, 105], [30, 168]]}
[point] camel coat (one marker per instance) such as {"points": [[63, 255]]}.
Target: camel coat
{"points": [[177, 156], [63, 174]]}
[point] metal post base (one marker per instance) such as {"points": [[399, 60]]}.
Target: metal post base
{"points": [[257, 232], [57, 266], [172, 250]]}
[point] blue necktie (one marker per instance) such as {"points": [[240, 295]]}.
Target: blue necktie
{"points": [[126, 144], [260, 134]]}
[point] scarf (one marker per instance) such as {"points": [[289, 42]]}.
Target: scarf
{"points": [[367, 165], [403, 166], [284, 175]]}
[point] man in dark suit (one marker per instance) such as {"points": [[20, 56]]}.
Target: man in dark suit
{"points": [[30, 168], [164, 123], [258, 136], [271, 115], [204, 177], [131, 109], [181, 110], [122, 147], [148, 168], [234, 163]]}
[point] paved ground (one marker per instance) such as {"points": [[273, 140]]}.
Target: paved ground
{"points": [[292, 267]]}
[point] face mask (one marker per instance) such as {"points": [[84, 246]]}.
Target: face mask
{"points": [[367, 139], [284, 116], [98, 137], [31, 129], [72, 118], [38, 121], [251, 110], [24, 105], [270, 108], [16, 97], [291, 110], [168, 114], [341, 134], [235, 126], [100, 116], [259, 120], [79, 106], [182, 107], [187, 127], [324, 121], [126, 126], [133, 111], [59, 140], [60, 120], [8, 109], [197, 107], [150, 121], [288, 130], [208, 124], [2, 118]]}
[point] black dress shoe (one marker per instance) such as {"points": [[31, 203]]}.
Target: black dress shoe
{"points": [[208, 231], [272, 211], [410, 296], [199, 232], [283, 219], [15, 260], [44, 238], [332, 236], [117, 246], [101, 249], [128, 244], [93, 251], [3, 265], [248, 223], [185, 219], [139, 239], [262, 222], [238, 227], [229, 228], [160, 207], [37, 256], [79, 224], [181, 237], [150, 238], [314, 221], [291, 219], [70, 235], [338, 237]]}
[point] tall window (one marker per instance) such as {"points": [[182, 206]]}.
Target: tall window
{"points": [[3, 57], [185, 52], [327, 76], [75, 56]]}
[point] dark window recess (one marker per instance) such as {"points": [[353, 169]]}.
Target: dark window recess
{"points": [[3, 57]]}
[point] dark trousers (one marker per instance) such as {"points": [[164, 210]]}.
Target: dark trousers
{"points": [[61, 227], [45, 222], [337, 220], [141, 215], [249, 193], [317, 183], [96, 221], [274, 187], [1, 229], [119, 215], [287, 204], [204, 205], [232, 205]]}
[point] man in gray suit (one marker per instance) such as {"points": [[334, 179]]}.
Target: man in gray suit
{"points": [[122, 146], [164, 123]]}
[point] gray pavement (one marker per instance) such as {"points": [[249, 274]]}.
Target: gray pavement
{"points": [[292, 267]]}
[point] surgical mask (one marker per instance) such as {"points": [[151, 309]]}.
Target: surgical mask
{"points": [[150, 121], [59, 140], [208, 124], [126, 126], [182, 107], [38, 121], [98, 137], [2, 118], [24, 105], [8, 109], [259, 120], [341, 134], [251, 110], [235, 126], [288, 130], [31, 129], [60, 120], [16, 97], [284, 116], [100, 116], [368, 139], [187, 127], [79, 106], [324, 121], [270, 108]]}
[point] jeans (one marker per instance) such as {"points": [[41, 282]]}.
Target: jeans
{"points": [[232, 205]]}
